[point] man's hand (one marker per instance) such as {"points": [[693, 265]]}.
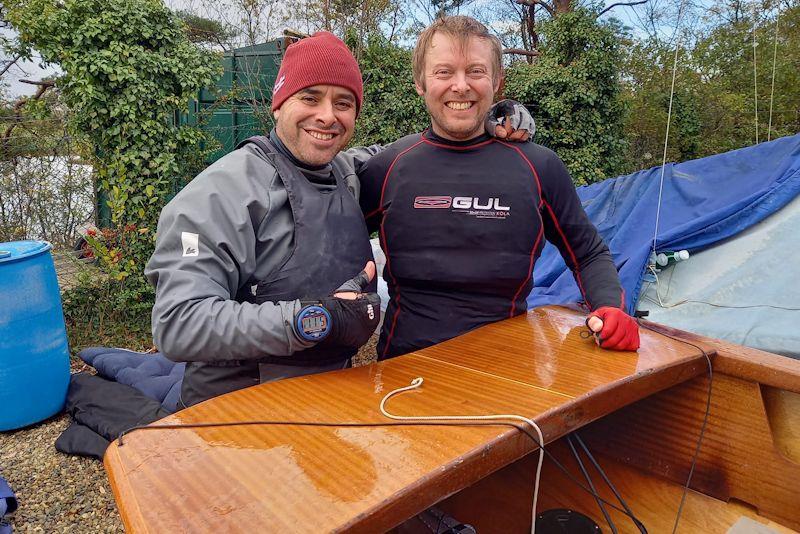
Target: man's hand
{"points": [[345, 319], [510, 120], [614, 329], [356, 285]]}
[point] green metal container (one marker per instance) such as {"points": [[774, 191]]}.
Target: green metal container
{"points": [[238, 106]]}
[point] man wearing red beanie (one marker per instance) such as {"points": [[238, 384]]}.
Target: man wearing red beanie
{"points": [[255, 258]]}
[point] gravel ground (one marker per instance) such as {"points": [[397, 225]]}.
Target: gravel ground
{"points": [[56, 492], [61, 493]]}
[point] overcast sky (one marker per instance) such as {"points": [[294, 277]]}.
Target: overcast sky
{"points": [[33, 71], [22, 70]]}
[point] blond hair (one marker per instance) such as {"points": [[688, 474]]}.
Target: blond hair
{"points": [[459, 28]]}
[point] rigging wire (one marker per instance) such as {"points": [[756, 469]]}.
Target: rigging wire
{"points": [[537, 440], [774, 58], [509, 420], [755, 71], [716, 305], [659, 300], [488, 420], [347, 424], [705, 417], [588, 479], [608, 482], [669, 119]]}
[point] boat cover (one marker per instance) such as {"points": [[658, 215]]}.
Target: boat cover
{"points": [[703, 202], [744, 289]]}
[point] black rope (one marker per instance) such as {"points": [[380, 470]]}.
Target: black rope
{"points": [[520, 427], [705, 418], [608, 482], [626, 511], [344, 424], [591, 484]]}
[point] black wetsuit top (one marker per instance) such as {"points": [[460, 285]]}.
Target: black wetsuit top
{"points": [[462, 224]]}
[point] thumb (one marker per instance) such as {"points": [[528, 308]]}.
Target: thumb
{"points": [[369, 270], [359, 282], [363, 278], [500, 132], [595, 324]]}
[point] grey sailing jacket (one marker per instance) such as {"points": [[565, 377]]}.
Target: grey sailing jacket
{"points": [[206, 250]]}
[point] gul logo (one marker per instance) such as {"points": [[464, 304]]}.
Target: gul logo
{"points": [[370, 312], [279, 84], [432, 202], [482, 208], [475, 203]]}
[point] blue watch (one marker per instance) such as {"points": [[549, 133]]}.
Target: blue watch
{"points": [[313, 323]]}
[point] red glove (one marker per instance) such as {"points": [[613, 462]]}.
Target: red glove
{"points": [[619, 330]]}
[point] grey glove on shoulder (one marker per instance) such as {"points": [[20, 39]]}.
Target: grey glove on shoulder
{"points": [[520, 117]]}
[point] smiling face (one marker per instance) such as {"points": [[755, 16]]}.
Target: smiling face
{"points": [[458, 85], [317, 122]]}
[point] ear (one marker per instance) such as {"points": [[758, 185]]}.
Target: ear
{"points": [[420, 89], [500, 84], [276, 113]]}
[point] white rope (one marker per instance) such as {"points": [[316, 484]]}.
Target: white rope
{"points": [[669, 119], [774, 57], [417, 382], [755, 71]]}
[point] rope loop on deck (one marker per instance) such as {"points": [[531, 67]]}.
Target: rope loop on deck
{"points": [[417, 383]]}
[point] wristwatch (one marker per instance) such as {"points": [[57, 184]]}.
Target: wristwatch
{"points": [[313, 323]]}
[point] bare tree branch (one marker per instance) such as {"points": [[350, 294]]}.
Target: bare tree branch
{"points": [[42, 84], [542, 3], [612, 6], [522, 52], [43, 87], [9, 65]]}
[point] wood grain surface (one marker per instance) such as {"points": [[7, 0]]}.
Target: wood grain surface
{"points": [[271, 478], [744, 362], [502, 501], [746, 455]]}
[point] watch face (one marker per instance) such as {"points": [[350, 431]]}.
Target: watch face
{"points": [[314, 323]]}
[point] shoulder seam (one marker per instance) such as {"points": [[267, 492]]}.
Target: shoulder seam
{"points": [[531, 166], [386, 178]]}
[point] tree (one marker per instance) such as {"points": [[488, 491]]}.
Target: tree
{"points": [[201, 30], [359, 19], [128, 66], [573, 93], [714, 106], [392, 107]]}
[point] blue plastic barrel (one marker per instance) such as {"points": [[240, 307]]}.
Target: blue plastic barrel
{"points": [[34, 355]]}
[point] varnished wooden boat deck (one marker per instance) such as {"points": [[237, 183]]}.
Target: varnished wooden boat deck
{"points": [[311, 479]]}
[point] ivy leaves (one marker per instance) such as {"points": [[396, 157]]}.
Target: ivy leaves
{"points": [[392, 108], [128, 65], [573, 93]]}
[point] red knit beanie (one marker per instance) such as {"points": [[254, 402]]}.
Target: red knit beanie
{"points": [[322, 59]]}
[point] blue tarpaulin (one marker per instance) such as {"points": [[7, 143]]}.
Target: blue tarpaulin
{"points": [[702, 202]]}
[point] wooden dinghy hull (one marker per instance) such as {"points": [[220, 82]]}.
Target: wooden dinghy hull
{"points": [[638, 411]]}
